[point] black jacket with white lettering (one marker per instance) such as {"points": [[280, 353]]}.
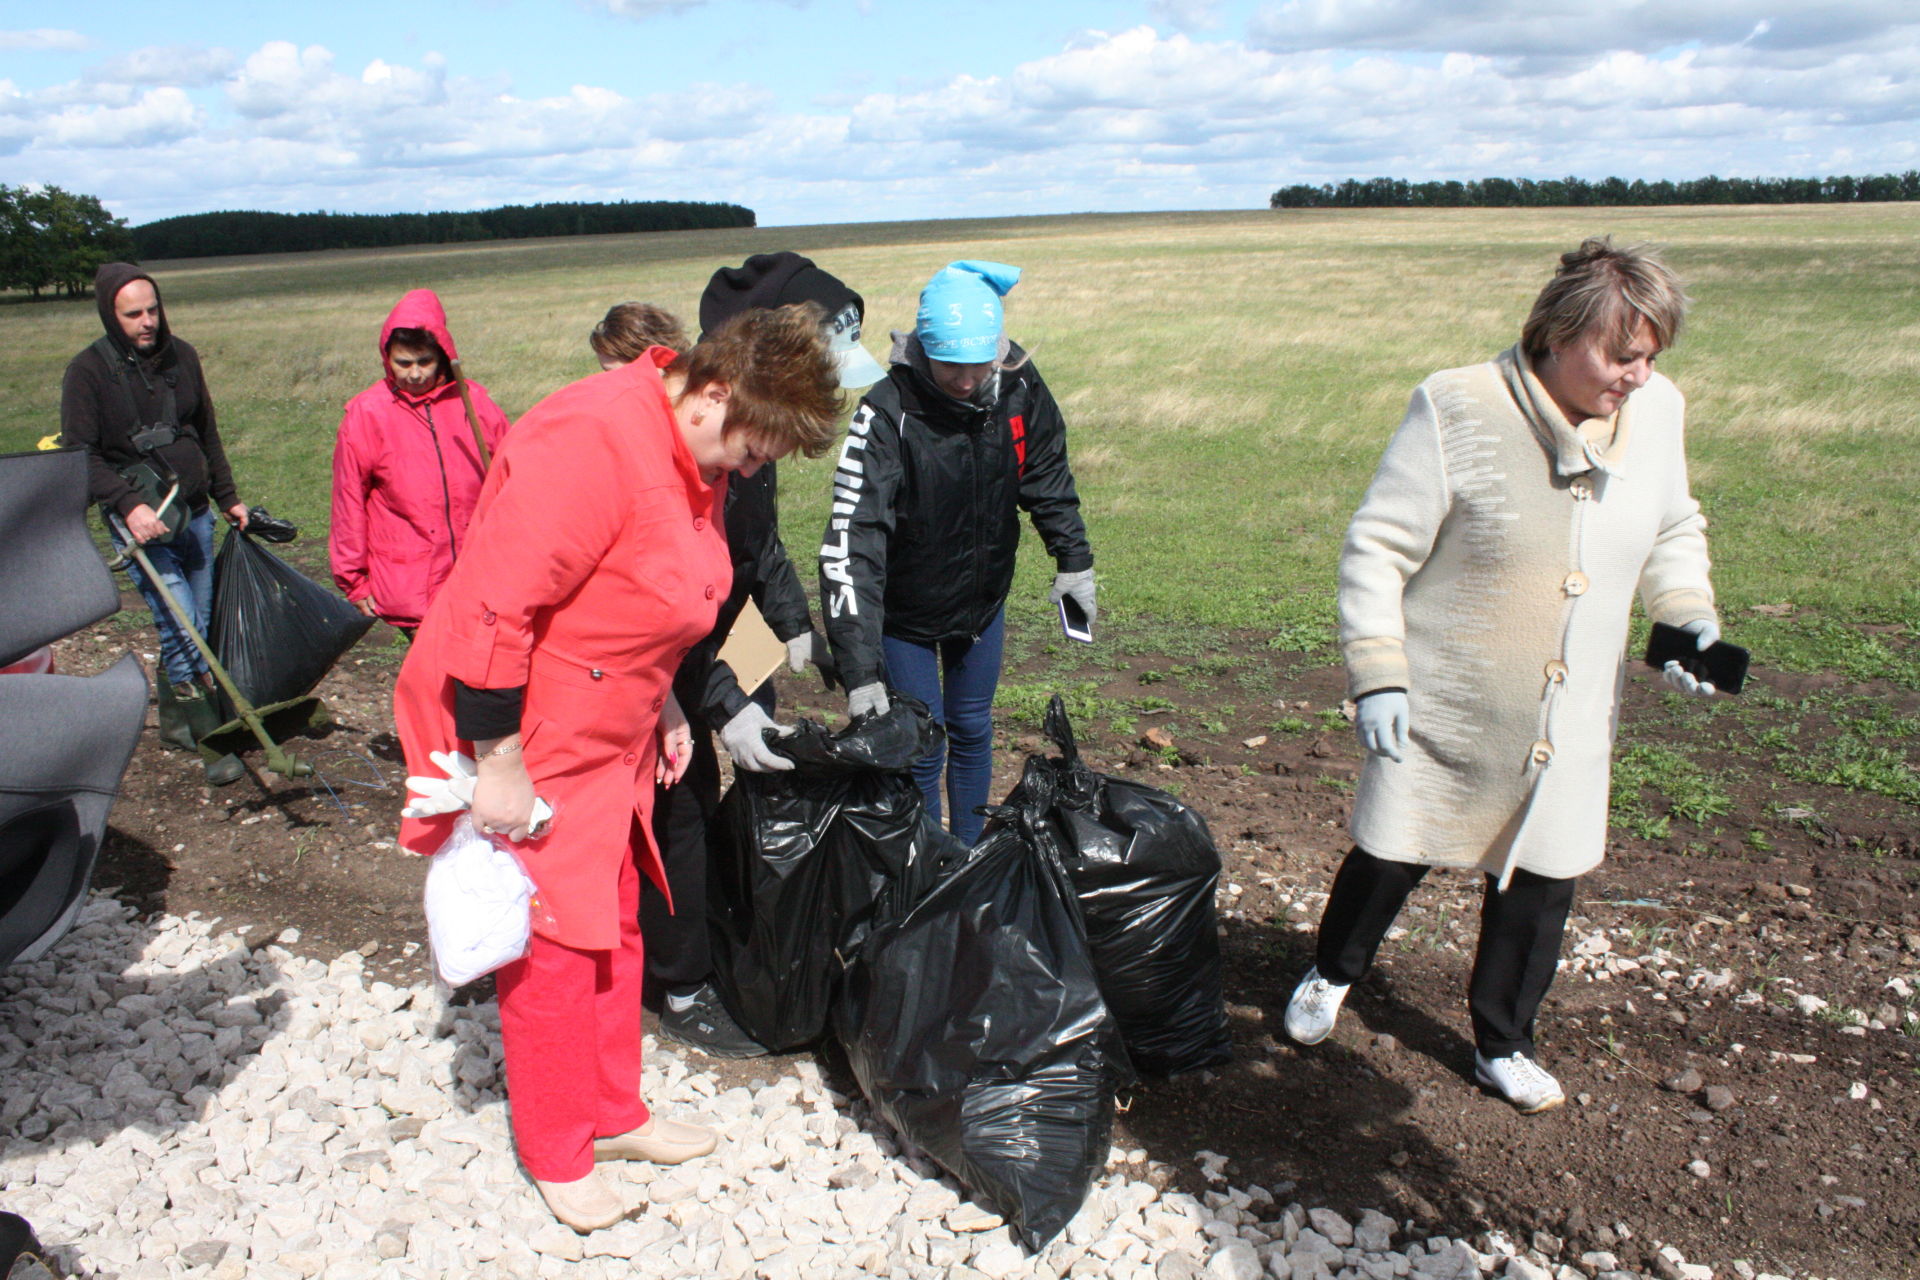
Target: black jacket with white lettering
{"points": [[926, 509]]}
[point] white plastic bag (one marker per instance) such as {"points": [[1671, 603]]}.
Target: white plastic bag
{"points": [[479, 906]]}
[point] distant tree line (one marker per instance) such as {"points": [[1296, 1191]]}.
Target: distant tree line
{"points": [[206, 235], [1391, 193], [55, 239]]}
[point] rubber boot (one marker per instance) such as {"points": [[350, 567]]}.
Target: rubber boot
{"points": [[175, 727], [221, 769]]}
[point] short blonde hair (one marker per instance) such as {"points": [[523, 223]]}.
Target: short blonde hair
{"points": [[784, 382], [1606, 291], [629, 328]]}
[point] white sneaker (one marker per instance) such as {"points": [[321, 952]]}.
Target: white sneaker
{"points": [[1521, 1081], [1313, 1007]]}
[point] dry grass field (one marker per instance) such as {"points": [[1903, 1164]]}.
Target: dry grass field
{"points": [[1229, 378]]}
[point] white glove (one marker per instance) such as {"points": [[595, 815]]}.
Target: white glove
{"points": [[1079, 585], [435, 796], [1381, 721], [1706, 634], [811, 646], [430, 797], [868, 699], [745, 740]]}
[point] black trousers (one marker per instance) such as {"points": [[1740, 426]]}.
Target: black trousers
{"points": [[1520, 932], [679, 955]]}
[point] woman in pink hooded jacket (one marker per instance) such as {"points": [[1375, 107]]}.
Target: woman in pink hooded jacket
{"points": [[406, 472]]}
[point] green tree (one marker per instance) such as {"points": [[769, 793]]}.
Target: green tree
{"points": [[51, 238]]}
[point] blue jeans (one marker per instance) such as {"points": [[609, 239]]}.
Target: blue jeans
{"points": [[956, 679], [186, 566]]}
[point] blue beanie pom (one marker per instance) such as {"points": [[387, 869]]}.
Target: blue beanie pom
{"points": [[960, 313]]}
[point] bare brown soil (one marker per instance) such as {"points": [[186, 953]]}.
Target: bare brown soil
{"points": [[1810, 1155]]}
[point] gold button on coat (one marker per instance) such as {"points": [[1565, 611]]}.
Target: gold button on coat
{"points": [[1542, 751], [1582, 489], [1556, 672], [1576, 583]]}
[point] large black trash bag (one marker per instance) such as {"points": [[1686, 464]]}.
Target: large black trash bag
{"points": [[275, 630], [800, 858], [1145, 869], [975, 1026]]}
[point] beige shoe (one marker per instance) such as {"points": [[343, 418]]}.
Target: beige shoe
{"points": [[659, 1140], [585, 1204]]}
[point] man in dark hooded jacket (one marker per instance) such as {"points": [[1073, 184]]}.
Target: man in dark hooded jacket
{"points": [[138, 403], [680, 963]]}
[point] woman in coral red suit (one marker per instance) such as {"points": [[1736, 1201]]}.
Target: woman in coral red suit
{"points": [[595, 559]]}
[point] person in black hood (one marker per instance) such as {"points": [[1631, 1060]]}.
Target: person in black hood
{"points": [[137, 402], [679, 960], [940, 460]]}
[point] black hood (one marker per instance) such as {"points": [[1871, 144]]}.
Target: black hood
{"points": [[108, 281], [772, 280]]}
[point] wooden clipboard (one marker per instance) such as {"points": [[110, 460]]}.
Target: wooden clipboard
{"points": [[752, 650]]}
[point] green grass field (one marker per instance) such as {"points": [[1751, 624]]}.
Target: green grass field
{"points": [[1229, 381]]}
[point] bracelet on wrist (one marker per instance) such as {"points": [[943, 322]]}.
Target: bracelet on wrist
{"points": [[506, 747]]}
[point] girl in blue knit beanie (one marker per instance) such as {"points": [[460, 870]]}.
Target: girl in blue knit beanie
{"points": [[941, 458]]}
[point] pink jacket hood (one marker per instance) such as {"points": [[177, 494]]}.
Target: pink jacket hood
{"points": [[419, 309]]}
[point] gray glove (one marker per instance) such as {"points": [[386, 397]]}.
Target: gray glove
{"points": [[1079, 585], [1381, 720], [811, 646], [744, 737], [1706, 634], [868, 699]]}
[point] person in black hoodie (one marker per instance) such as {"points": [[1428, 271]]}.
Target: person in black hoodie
{"points": [[679, 961], [137, 402], [940, 460]]}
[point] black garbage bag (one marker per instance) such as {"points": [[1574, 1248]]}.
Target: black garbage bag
{"points": [[275, 630], [975, 1026], [800, 859], [1145, 870]]}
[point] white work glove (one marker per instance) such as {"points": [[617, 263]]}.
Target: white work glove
{"points": [[811, 646], [1706, 634], [744, 737], [430, 797], [1381, 721], [1079, 585], [868, 699]]}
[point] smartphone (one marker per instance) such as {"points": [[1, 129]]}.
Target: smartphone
{"points": [[1721, 664], [1074, 624]]}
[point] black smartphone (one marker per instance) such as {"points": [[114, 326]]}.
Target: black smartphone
{"points": [[1722, 665], [1074, 624]]}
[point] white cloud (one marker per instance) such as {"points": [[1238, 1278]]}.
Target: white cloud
{"points": [[1579, 29], [182, 66], [1127, 119], [44, 40], [158, 116]]}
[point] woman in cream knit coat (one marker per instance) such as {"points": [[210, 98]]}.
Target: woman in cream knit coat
{"points": [[1485, 588]]}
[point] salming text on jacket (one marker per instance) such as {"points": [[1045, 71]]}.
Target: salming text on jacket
{"points": [[926, 508], [406, 474], [96, 414]]}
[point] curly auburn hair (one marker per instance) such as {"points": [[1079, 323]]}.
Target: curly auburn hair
{"points": [[629, 328], [1603, 290], [785, 385]]}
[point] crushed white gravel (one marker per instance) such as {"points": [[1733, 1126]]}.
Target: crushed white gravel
{"points": [[177, 1102]]}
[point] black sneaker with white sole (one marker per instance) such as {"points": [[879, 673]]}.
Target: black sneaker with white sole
{"points": [[700, 1021]]}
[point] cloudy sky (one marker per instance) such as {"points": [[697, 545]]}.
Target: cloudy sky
{"points": [[858, 110]]}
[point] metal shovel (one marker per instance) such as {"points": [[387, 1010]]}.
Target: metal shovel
{"points": [[278, 759]]}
